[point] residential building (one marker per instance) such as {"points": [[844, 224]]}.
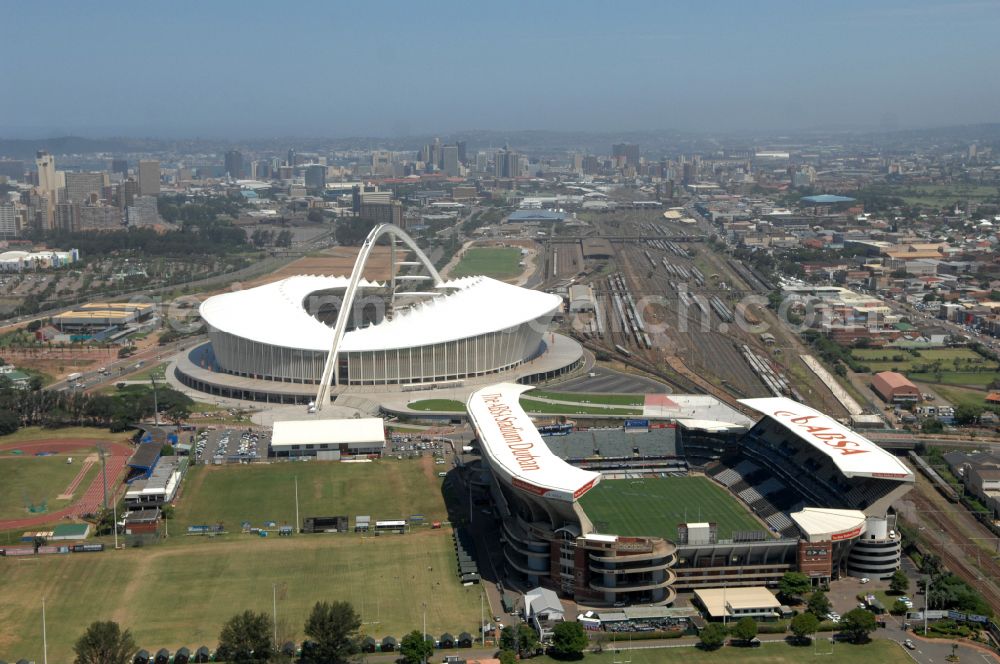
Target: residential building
{"points": [[234, 164], [80, 187], [120, 166], [149, 177], [10, 220]]}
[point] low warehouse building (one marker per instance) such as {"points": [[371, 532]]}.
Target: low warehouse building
{"points": [[756, 602], [895, 388], [328, 439]]}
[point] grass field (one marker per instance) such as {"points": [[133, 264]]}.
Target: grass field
{"points": [[583, 397], [961, 378], [879, 651], [496, 262], [180, 593], [67, 433], [34, 480], [943, 359], [443, 405], [156, 371], [535, 406], [388, 489], [959, 396], [654, 507]]}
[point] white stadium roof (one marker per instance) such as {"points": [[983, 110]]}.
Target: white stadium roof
{"points": [[509, 438], [853, 454], [824, 525], [275, 314], [330, 432]]}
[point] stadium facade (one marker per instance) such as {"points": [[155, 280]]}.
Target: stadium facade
{"points": [[345, 330], [821, 493]]}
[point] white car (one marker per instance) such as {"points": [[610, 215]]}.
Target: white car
{"points": [[865, 579]]}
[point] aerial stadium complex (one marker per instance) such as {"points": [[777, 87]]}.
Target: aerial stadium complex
{"points": [[300, 338], [631, 516]]}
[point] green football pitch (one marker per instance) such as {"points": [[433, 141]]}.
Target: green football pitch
{"points": [[654, 507]]}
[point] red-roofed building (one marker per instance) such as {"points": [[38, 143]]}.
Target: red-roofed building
{"points": [[895, 388]]}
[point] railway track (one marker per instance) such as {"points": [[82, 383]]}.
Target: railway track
{"points": [[948, 540]]}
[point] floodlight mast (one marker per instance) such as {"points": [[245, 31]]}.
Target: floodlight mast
{"points": [[329, 376]]}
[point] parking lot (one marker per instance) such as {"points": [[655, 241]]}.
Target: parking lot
{"points": [[404, 446], [232, 445]]}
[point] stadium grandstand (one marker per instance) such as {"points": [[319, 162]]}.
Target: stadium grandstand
{"points": [[629, 515]]}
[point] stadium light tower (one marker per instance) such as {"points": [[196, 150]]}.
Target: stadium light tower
{"points": [[340, 328]]}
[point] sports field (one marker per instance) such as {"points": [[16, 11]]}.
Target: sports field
{"points": [[496, 262], [180, 593], [654, 507], [28, 480], [385, 490]]}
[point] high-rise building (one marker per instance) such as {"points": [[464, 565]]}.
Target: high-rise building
{"points": [[462, 154], [628, 150], [10, 226], [383, 213], [316, 176], [149, 177], [234, 164], [143, 212], [120, 166], [81, 186], [100, 218], [507, 164], [450, 160], [47, 182], [291, 158], [482, 162], [67, 217]]}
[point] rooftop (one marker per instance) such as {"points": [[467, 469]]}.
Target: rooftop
{"points": [[853, 454], [516, 450], [335, 432], [822, 525], [721, 602]]}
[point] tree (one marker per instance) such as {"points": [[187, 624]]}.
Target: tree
{"points": [[415, 649], [713, 636], [931, 426], [315, 215], [967, 413], [246, 637], [745, 629], [793, 585], [104, 643], [527, 640], [804, 625], [508, 657], [818, 604], [899, 583], [858, 624], [334, 628], [568, 640], [898, 608], [930, 565], [508, 638]]}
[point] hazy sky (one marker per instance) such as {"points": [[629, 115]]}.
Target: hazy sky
{"points": [[248, 69]]}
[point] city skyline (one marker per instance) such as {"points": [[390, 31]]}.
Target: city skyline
{"points": [[234, 71]]}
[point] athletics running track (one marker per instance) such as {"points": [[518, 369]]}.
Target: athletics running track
{"points": [[93, 496]]}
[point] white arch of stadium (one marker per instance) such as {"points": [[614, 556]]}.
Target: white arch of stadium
{"points": [[329, 369]]}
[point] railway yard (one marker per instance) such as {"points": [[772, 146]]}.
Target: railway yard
{"points": [[666, 303]]}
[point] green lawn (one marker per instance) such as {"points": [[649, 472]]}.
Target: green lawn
{"points": [[654, 507], [878, 651], [535, 406], [180, 593], [958, 396], [443, 405], [583, 397], [386, 489], [34, 480], [496, 262], [157, 371], [67, 433], [950, 359], [963, 379]]}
